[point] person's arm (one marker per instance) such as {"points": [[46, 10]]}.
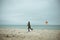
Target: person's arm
{"points": [[27, 24]]}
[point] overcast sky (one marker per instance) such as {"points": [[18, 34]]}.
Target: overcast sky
{"points": [[19, 12]]}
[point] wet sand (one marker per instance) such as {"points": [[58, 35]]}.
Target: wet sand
{"points": [[22, 34]]}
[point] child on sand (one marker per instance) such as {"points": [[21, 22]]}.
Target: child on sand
{"points": [[29, 26]]}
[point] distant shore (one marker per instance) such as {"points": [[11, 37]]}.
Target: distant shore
{"points": [[23, 34]]}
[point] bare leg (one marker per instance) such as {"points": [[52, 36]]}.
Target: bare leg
{"points": [[31, 28], [28, 29]]}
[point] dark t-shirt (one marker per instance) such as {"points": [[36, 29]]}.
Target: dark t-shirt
{"points": [[29, 26]]}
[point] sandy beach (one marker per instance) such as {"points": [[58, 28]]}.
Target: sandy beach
{"points": [[22, 34]]}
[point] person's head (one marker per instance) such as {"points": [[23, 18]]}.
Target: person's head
{"points": [[28, 21]]}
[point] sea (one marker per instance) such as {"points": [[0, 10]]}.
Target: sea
{"points": [[38, 27]]}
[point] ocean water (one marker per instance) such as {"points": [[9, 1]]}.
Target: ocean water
{"points": [[50, 27]]}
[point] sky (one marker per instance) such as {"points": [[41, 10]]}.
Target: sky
{"points": [[19, 12]]}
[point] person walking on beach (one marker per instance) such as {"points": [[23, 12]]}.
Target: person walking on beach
{"points": [[29, 26]]}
